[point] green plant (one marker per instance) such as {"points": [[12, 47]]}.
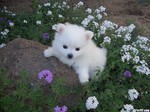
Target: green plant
{"points": [[127, 51]]}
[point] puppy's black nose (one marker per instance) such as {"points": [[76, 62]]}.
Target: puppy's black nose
{"points": [[70, 56]]}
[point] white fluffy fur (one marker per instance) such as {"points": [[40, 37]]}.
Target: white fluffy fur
{"points": [[86, 60]]}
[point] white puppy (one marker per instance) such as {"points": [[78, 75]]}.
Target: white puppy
{"points": [[73, 46]]}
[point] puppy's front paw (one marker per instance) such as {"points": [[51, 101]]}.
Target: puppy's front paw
{"points": [[84, 80], [48, 52]]}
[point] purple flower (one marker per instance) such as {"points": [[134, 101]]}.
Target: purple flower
{"points": [[127, 73], [46, 74], [60, 109], [45, 36], [1, 19], [9, 21]]}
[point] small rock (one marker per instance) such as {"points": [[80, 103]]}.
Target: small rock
{"points": [[26, 55]]}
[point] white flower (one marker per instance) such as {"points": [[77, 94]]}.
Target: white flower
{"points": [[131, 27], [90, 17], [38, 22], [49, 13], [85, 22], [39, 6], [144, 47], [99, 16], [88, 10], [102, 8], [6, 30], [102, 29], [5, 7], [107, 39], [92, 103], [64, 3], [135, 50], [128, 108], [97, 11], [127, 37], [126, 56], [2, 45], [109, 24], [60, 16], [136, 59], [126, 47], [59, 7], [54, 27], [133, 94], [126, 29], [55, 4], [11, 24], [25, 21], [80, 4], [142, 39], [119, 35], [47, 4], [68, 6], [13, 14], [143, 62], [3, 33], [96, 24], [142, 69]]}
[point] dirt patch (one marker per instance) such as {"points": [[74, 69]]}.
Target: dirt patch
{"points": [[119, 11]]}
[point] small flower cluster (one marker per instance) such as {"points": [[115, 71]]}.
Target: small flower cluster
{"points": [[5, 29], [25, 21], [38, 22], [143, 43], [126, 30], [133, 94], [130, 53], [127, 50], [79, 4], [60, 109], [93, 16], [4, 33], [7, 12], [49, 13], [107, 40], [107, 25], [128, 108], [92, 103], [11, 24], [47, 4]]}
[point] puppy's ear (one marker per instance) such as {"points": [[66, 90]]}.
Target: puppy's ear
{"points": [[89, 35], [60, 28]]}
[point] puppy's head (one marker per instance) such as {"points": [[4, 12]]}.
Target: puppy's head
{"points": [[71, 40]]}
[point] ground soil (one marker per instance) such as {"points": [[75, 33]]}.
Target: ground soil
{"points": [[121, 12]]}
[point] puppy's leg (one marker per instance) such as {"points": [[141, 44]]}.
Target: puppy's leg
{"points": [[83, 75], [49, 52]]}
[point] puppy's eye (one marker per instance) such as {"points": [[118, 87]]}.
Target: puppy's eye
{"points": [[77, 49], [65, 47]]}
